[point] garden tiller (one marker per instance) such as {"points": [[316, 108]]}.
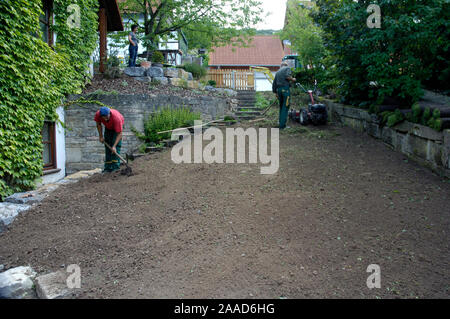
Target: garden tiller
{"points": [[315, 113]]}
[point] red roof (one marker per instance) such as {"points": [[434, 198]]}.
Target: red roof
{"points": [[262, 51]]}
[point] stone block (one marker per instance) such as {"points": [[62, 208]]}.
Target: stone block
{"points": [[17, 283], [177, 82], [53, 286], [193, 84], [446, 149], [171, 72], [190, 76], [26, 198], [9, 211], [210, 88], [155, 72], [417, 146], [73, 154], [184, 75], [134, 71], [161, 80], [145, 79]]}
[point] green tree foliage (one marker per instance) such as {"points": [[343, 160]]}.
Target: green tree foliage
{"points": [[304, 35], [34, 80], [205, 22], [391, 61]]}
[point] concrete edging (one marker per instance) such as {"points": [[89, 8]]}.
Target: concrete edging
{"points": [[420, 143]]}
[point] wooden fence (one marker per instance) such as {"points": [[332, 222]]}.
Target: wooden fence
{"points": [[233, 79]]}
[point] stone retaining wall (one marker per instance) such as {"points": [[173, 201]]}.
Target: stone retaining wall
{"points": [[83, 150], [421, 143]]}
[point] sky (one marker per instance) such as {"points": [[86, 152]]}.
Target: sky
{"points": [[277, 10]]}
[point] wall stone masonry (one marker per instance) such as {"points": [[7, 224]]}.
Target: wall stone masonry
{"points": [[421, 143], [83, 150]]}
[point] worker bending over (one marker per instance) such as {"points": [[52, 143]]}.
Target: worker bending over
{"points": [[113, 122]]}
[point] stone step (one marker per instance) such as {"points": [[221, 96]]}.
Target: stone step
{"points": [[240, 108], [247, 113], [246, 117], [247, 101]]}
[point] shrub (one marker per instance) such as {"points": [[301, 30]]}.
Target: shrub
{"points": [[197, 71], [398, 57], [157, 57], [167, 119], [212, 83]]}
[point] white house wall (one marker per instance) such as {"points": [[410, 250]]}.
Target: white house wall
{"points": [[262, 83], [60, 151]]}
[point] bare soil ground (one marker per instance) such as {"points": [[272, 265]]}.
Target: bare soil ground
{"points": [[129, 85], [340, 202]]}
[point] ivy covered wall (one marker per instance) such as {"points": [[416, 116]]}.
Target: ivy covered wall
{"points": [[35, 78]]}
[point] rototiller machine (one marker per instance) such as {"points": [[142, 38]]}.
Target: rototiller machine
{"points": [[315, 114]]}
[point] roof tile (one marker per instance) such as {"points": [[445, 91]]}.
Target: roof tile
{"points": [[263, 50]]}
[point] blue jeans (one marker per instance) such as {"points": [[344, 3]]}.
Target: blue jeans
{"points": [[133, 55]]}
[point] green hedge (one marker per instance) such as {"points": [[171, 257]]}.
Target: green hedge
{"points": [[34, 81]]}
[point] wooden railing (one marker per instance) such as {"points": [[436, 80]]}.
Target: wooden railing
{"points": [[233, 79]]}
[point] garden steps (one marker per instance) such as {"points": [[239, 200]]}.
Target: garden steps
{"points": [[246, 109]]}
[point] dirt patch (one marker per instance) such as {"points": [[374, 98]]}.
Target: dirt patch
{"points": [[128, 85], [340, 202]]}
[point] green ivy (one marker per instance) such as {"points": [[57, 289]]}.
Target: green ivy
{"points": [[34, 80]]}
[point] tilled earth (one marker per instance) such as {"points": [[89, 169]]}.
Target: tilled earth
{"points": [[340, 202]]}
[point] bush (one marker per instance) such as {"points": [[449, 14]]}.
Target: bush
{"points": [[157, 57], [212, 83], [197, 71], [167, 119], [392, 61]]}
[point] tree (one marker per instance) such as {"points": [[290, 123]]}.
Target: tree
{"points": [[391, 61], [216, 20], [304, 35]]}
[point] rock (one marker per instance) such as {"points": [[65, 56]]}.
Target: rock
{"points": [[8, 212], [113, 73], [83, 174], [190, 76], [220, 90], [193, 84], [210, 88], [52, 286], [145, 79], [135, 71], [171, 72], [177, 82], [183, 75], [155, 72], [2, 267], [27, 198], [162, 80], [230, 92], [76, 176], [17, 283]]}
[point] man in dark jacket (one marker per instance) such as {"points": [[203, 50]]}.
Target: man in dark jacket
{"points": [[281, 88]]}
